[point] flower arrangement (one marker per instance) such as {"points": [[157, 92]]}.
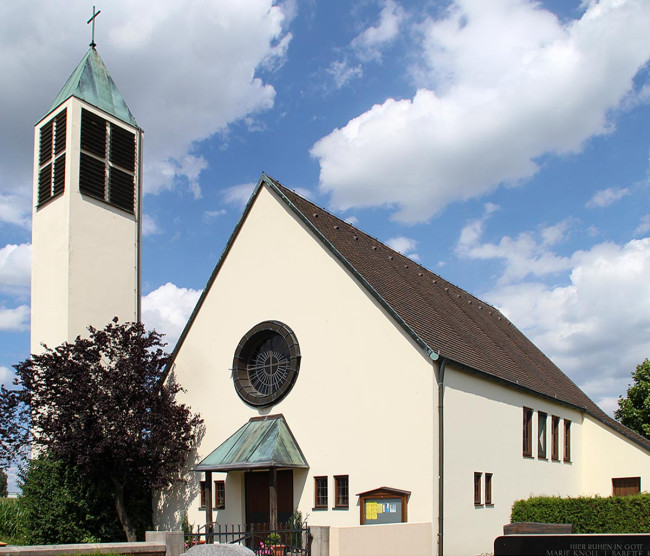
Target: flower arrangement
{"points": [[271, 546]]}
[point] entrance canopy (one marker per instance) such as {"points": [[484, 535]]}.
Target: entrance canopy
{"points": [[262, 443]]}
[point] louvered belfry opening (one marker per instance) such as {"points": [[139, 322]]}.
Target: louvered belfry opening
{"points": [[51, 157], [107, 164]]}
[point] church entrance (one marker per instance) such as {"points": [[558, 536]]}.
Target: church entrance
{"points": [[258, 497]]}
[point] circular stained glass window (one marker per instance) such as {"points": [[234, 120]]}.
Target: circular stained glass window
{"points": [[266, 364]]}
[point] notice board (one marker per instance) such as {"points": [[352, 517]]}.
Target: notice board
{"points": [[383, 505]]}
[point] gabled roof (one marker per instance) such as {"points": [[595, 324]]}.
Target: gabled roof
{"points": [[261, 443], [444, 320], [91, 82]]}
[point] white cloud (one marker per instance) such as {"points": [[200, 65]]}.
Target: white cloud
{"points": [[14, 320], [526, 255], [149, 226], [210, 214], [172, 61], [15, 268], [15, 209], [596, 328], [6, 376], [369, 42], [404, 245], [238, 195], [167, 310], [644, 225], [502, 83], [342, 72], [606, 197]]}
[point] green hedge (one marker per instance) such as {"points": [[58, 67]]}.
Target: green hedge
{"points": [[617, 514]]}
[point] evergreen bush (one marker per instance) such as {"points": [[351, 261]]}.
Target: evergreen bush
{"points": [[616, 514], [59, 505]]}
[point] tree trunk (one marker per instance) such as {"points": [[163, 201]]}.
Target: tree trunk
{"points": [[125, 521]]}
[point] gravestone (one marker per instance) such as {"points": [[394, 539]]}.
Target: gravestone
{"points": [[219, 550], [573, 545]]}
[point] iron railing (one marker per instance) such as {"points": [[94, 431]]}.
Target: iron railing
{"points": [[283, 541]]}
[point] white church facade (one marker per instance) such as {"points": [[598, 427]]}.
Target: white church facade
{"points": [[335, 376], [393, 382]]}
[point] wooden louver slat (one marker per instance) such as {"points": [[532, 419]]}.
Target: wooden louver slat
{"points": [[59, 142], [122, 148], [44, 184], [93, 133], [121, 189], [92, 176], [45, 145], [59, 175], [52, 143], [107, 165]]}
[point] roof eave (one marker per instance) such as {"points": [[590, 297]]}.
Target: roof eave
{"points": [[430, 353]]}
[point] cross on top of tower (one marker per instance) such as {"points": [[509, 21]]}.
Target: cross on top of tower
{"points": [[92, 19]]}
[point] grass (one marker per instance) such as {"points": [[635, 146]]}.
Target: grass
{"points": [[10, 522]]}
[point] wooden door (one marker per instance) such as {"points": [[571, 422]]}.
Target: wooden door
{"points": [[257, 496]]}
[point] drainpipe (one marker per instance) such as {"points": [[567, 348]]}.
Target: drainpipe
{"points": [[442, 364]]}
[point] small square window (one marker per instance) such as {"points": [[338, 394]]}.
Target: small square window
{"points": [[567, 441], [341, 491], [202, 489], [541, 435], [478, 500], [555, 438], [488, 489], [320, 488], [220, 495], [528, 432]]}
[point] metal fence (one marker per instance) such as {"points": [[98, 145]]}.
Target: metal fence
{"points": [[283, 541]]}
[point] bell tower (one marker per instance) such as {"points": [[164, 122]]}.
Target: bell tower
{"points": [[86, 209]]}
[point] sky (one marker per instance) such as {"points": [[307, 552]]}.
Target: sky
{"points": [[504, 145]]}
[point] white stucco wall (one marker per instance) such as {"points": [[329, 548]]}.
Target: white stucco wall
{"points": [[608, 455], [365, 402], [483, 434], [84, 252], [412, 539], [364, 399]]}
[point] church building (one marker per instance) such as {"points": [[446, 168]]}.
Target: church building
{"points": [[336, 377]]}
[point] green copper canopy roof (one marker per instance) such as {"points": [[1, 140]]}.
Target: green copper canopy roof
{"points": [[261, 443], [91, 82]]}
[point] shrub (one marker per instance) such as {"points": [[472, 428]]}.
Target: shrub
{"points": [[59, 505], [616, 514]]}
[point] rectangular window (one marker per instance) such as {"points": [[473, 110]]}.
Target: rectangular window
{"points": [[341, 491], [541, 435], [220, 495], [488, 489], [202, 487], [477, 489], [567, 440], [555, 438], [528, 432], [320, 488], [626, 486]]}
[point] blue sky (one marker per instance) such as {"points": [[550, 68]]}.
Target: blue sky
{"points": [[504, 145]]}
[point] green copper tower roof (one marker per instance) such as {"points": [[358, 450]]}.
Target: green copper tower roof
{"points": [[91, 82], [261, 443]]}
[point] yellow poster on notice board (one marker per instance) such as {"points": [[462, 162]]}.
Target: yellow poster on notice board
{"points": [[371, 510]]}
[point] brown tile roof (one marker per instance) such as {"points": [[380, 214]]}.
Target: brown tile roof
{"points": [[443, 317]]}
